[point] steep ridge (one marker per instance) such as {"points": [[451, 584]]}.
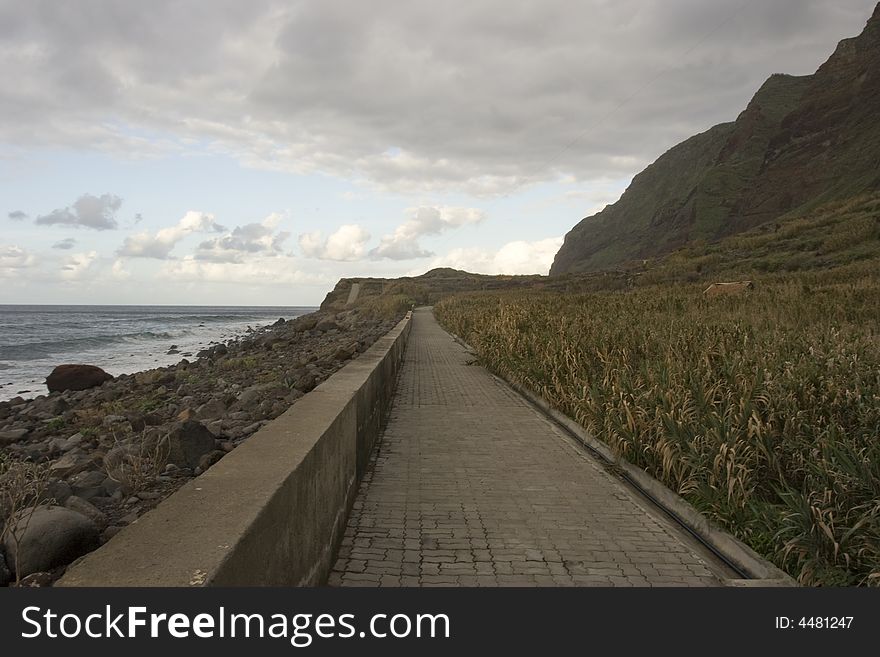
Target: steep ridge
{"points": [[801, 142]]}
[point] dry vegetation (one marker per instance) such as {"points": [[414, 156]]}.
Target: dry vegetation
{"points": [[762, 410], [23, 488]]}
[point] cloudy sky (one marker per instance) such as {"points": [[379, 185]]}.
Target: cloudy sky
{"points": [[223, 151]]}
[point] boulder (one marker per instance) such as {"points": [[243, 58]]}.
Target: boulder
{"points": [[327, 325], [76, 377], [88, 484], [74, 441], [250, 397], [306, 323], [346, 352], [71, 463], [306, 383], [138, 421], [12, 436], [210, 459], [110, 420], [187, 442], [87, 509], [211, 410], [52, 537], [59, 490], [5, 571]]}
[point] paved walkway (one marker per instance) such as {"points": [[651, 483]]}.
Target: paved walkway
{"points": [[471, 486]]}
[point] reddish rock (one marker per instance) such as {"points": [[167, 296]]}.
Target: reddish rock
{"points": [[76, 377]]}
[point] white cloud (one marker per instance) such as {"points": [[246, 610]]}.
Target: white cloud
{"points": [[13, 259], [98, 212], [118, 271], [76, 266], [245, 241], [403, 243], [346, 244], [160, 245], [519, 257], [261, 271]]}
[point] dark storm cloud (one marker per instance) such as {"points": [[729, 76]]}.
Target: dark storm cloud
{"points": [[478, 97], [98, 212]]}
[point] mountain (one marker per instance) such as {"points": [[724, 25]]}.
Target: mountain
{"points": [[801, 142]]}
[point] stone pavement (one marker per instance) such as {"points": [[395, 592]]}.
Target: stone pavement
{"points": [[471, 486]]}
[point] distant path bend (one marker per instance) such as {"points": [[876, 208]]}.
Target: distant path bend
{"points": [[471, 486]]}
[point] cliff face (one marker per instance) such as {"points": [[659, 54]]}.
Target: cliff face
{"points": [[801, 141]]}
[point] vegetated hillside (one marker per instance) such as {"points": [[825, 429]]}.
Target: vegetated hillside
{"points": [[430, 287], [762, 410], [801, 142], [842, 235]]}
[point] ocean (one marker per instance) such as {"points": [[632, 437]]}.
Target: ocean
{"points": [[119, 339]]}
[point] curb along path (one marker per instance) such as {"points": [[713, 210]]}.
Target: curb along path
{"points": [[471, 486]]}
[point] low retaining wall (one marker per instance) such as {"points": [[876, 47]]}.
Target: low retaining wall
{"points": [[273, 511]]}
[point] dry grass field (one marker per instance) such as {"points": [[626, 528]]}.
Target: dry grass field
{"points": [[761, 409]]}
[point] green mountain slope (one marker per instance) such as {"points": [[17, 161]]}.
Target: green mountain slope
{"points": [[801, 142]]}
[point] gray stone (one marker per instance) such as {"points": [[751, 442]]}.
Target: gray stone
{"points": [[250, 397], [110, 420], [10, 436], [5, 571], [53, 444], [70, 463], [306, 383], [59, 490], [110, 532], [88, 484], [346, 352], [74, 441], [327, 325], [188, 442], [110, 486], [138, 421], [51, 537], [306, 323], [210, 459], [211, 410], [87, 509]]}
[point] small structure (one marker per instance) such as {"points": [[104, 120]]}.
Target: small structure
{"points": [[353, 293], [728, 289]]}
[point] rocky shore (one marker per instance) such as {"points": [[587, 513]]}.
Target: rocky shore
{"points": [[104, 456]]}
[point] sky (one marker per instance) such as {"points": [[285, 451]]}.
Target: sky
{"points": [[253, 153]]}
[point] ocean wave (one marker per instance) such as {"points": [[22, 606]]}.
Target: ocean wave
{"points": [[48, 348]]}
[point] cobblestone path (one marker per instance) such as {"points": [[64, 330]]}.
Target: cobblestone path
{"points": [[471, 486]]}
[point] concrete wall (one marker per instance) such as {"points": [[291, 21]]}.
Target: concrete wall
{"points": [[272, 512]]}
